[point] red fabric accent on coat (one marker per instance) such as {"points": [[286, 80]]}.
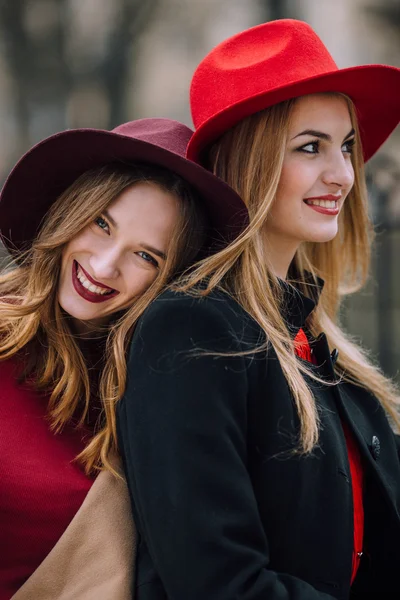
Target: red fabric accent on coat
{"points": [[302, 347], [357, 477], [41, 488], [303, 350]]}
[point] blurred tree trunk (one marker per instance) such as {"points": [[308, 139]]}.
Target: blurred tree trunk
{"points": [[37, 70], [278, 9], [388, 11], [36, 36], [133, 18], [43, 81]]}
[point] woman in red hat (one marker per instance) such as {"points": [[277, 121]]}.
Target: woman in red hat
{"points": [[97, 223], [255, 432]]}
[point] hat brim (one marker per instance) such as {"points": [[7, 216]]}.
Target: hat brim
{"points": [[51, 166], [372, 88]]}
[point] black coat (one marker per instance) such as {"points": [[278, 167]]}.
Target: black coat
{"points": [[224, 510]]}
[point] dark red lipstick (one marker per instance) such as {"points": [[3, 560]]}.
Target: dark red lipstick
{"points": [[87, 294]]}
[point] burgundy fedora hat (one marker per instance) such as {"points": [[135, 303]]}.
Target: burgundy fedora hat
{"points": [[277, 61], [52, 165]]}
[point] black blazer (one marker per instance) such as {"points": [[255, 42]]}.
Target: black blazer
{"points": [[224, 509]]}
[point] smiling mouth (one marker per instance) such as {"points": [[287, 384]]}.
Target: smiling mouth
{"points": [[323, 203], [87, 288], [323, 206]]}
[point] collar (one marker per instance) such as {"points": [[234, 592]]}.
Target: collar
{"points": [[297, 306]]}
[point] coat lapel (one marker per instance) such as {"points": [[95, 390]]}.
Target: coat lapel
{"points": [[374, 436], [94, 558], [377, 443]]}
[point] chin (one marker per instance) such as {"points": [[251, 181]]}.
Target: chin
{"points": [[321, 236], [75, 311]]}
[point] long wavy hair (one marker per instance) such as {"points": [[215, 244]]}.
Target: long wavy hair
{"points": [[35, 328], [249, 157]]}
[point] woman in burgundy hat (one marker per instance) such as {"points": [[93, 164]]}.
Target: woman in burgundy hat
{"points": [[255, 432], [97, 222]]}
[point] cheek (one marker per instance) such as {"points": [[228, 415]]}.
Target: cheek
{"points": [[83, 241], [65, 261], [72, 247], [297, 178], [351, 176], [68, 249], [79, 244], [288, 199], [138, 281]]}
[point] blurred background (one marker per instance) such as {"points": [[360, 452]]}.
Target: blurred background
{"points": [[97, 63]]}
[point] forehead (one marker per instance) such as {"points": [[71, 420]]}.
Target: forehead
{"points": [[323, 112], [143, 198], [144, 208]]}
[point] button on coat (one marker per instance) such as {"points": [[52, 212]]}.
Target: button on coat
{"points": [[375, 447]]}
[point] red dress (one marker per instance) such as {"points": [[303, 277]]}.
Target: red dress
{"points": [[302, 349], [41, 487]]}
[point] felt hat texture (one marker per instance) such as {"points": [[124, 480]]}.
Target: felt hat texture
{"points": [[279, 60], [52, 165]]}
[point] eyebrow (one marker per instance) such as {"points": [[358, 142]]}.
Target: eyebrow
{"points": [[154, 251], [321, 135]]}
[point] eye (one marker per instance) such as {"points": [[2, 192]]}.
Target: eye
{"points": [[310, 148], [102, 223], [148, 258], [348, 146]]}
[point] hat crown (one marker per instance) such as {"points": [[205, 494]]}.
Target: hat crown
{"points": [[43, 174], [165, 133], [277, 61], [255, 61]]}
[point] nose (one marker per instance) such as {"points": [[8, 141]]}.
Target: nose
{"points": [[105, 264], [339, 171]]}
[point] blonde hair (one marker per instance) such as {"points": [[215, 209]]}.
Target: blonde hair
{"points": [[33, 325], [249, 157]]}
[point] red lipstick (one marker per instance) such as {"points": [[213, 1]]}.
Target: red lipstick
{"points": [[326, 197], [84, 292], [323, 209]]}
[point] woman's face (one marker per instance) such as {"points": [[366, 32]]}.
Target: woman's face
{"points": [[317, 173], [114, 260]]}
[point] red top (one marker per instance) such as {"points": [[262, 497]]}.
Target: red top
{"points": [[41, 488], [302, 349]]}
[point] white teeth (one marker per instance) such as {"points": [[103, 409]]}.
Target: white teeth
{"points": [[323, 203], [95, 289]]}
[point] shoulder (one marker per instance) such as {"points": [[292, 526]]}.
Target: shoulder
{"points": [[12, 378], [185, 313], [12, 368], [217, 302]]}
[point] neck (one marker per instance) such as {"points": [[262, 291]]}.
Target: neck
{"points": [[280, 251], [87, 330], [92, 344]]}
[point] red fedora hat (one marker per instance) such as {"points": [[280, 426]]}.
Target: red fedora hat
{"points": [[277, 61], [51, 166]]}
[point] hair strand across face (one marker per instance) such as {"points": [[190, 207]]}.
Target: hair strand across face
{"points": [[249, 157], [33, 325]]}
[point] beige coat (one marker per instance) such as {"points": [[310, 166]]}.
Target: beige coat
{"points": [[94, 558]]}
